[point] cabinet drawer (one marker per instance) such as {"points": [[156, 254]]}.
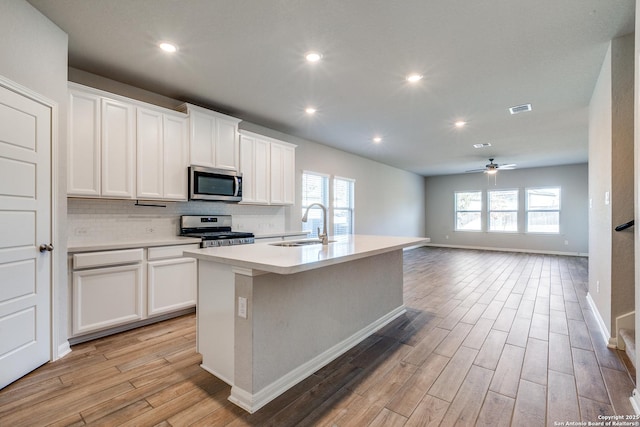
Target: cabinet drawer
{"points": [[101, 259], [174, 251]]}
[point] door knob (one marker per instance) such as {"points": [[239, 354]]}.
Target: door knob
{"points": [[46, 247]]}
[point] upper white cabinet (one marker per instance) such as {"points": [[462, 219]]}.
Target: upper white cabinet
{"points": [[83, 176], [268, 170], [255, 168], [283, 166], [162, 145], [101, 146], [213, 138]]}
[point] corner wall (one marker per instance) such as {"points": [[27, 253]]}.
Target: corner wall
{"points": [[572, 179], [611, 186]]}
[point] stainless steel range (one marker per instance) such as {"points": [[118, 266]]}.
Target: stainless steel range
{"points": [[214, 230]]}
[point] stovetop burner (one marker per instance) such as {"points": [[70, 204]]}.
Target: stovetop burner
{"points": [[214, 230]]}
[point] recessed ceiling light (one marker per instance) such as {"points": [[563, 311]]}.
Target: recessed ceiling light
{"points": [[460, 124], [413, 78], [313, 56], [310, 110], [168, 47], [377, 139]]}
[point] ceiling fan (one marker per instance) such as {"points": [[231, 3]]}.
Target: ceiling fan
{"points": [[492, 168]]}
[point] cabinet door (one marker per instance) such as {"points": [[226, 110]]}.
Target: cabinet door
{"points": [[106, 297], [118, 149], [262, 158], [247, 168], [226, 141], [282, 174], [83, 176], [150, 159], [176, 145], [171, 285], [203, 129]]}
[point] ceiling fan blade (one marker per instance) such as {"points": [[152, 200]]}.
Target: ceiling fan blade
{"points": [[476, 170], [509, 166]]}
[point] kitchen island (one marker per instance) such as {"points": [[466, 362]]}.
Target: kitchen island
{"points": [[269, 316]]}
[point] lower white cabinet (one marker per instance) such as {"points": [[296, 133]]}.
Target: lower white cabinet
{"points": [[171, 285], [111, 289], [105, 297]]}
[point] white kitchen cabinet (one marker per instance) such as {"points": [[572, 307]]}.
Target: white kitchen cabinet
{"points": [[117, 149], [213, 138], [268, 170], [114, 290], [106, 297], [83, 176], [171, 285], [162, 144], [282, 174], [101, 153], [255, 169]]}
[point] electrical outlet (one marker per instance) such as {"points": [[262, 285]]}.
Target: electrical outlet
{"points": [[446, 237], [242, 307]]}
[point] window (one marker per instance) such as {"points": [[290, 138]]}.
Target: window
{"points": [[342, 206], [503, 210], [468, 211], [315, 189], [543, 210]]}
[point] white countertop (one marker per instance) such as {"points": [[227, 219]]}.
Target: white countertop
{"points": [[75, 247], [280, 234], [288, 260]]}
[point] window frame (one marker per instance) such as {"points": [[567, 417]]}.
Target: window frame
{"points": [[528, 210], [490, 211], [351, 207], [306, 226], [456, 211]]}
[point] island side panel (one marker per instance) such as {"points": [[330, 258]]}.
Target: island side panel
{"points": [[215, 319], [294, 320]]}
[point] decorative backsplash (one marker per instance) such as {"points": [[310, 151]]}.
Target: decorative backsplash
{"points": [[91, 220]]}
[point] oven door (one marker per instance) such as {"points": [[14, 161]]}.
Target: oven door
{"points": [[214, 184]]}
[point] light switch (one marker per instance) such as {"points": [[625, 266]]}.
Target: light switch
{"points": [[606, 197], [242, 307]]}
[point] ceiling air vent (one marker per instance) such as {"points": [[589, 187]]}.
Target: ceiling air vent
{"points": [[483, 145], [520, 108]]}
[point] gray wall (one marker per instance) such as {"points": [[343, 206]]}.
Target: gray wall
{"points": [[573, 215], [33, 53]]}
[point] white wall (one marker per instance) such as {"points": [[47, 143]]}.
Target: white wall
{"points": [[572, 179], [33, 53]]}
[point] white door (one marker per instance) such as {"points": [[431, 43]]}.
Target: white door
{"points": [[25, 224]]}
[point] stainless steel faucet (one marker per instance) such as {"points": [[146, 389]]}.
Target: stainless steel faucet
{"points": [[324, 237]]}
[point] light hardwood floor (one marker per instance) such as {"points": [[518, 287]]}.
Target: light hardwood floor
{"points": [[489, 339]]}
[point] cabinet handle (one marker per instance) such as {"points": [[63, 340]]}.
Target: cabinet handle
{"points": [[46, 247]]}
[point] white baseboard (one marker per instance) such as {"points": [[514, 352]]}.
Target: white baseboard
{"points": [[635, 401], [63, 349], [252, 402], [606, 335], [490, 248]]}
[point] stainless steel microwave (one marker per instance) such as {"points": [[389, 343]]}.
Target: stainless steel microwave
{"points": [[214, 184]]}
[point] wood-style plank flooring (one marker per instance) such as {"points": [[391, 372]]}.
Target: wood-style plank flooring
{"points": [[489, 339]]}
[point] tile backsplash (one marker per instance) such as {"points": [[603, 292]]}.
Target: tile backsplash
{"points": [[91, 220]]}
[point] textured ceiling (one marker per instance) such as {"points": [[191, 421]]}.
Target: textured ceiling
{"points": [[245, 58]]}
